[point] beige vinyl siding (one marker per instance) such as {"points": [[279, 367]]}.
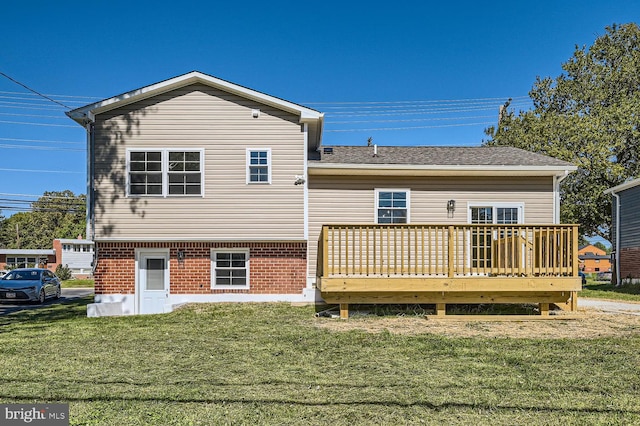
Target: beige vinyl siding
{"points": [[200, 117], [351, 200]]}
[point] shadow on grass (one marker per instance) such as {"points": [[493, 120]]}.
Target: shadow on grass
{"points": [[420, 310], [65, 310], [291, 402]]}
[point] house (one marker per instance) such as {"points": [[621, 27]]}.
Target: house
{"points": [[594, 259], [27, 258], [202, 190], [625, 231], [76, 254]]}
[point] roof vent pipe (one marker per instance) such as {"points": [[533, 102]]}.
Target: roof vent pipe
{"points": [[375, 150]]}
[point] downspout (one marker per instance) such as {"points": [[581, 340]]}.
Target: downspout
{"points": [[617, 248], [90, 202], [90, 170], [305, 176], [556, 195]]}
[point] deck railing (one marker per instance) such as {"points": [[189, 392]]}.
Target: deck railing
{"points": [[448, 250]]}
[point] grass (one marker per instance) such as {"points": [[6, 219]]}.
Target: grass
{"points": [[606, 290], [75, 283], [271, 364]]}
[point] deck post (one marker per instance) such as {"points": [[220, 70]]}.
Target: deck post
{"points": [[575, 261], [325, 251], [573, 301], [544, 309], [450, 253], [344, 311], [441, 309]]}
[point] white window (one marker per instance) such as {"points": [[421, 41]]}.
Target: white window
{"points": [[392, 206], [25, 262], [230, 268], [500, 214], [165, 172], [258, 165], [482, 237]]}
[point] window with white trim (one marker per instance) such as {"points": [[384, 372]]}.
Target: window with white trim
{"points": [[481, 237], [25, 262], [500, 215], [165, 172], [230, 268], [392, 206], [258, 165]]}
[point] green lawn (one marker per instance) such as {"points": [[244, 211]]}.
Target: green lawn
{"points": [[77, 283], [271, 364], [605, 290]]}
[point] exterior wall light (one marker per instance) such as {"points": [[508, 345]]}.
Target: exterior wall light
{"points": [[451, 206]]}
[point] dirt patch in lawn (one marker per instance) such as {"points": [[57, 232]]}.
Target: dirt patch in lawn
{"points": [[583, 324]]}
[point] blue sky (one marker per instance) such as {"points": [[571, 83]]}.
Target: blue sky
{"points": [[429, 70]]}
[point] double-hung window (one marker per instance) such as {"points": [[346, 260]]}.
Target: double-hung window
{"points": [[230, 268], [392, 206], [165, 172], [258, 165]]}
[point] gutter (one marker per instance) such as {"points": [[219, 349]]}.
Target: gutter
{"points": [[373, 169]]}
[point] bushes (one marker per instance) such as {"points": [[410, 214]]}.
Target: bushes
{"points": [[63, 272]]}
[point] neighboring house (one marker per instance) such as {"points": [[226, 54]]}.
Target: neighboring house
{"points": [[76, 254], [594, 259], [202, 190], [625, 231], [27, 258]]}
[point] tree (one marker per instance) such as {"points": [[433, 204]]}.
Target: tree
{"points": [[589, 116], [601, 246], [54, 215]]}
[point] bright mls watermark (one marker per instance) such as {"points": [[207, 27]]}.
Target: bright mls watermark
{"points": [[34, 414]]}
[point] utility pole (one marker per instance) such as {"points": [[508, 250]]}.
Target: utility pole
{"points": [[17, 236]]}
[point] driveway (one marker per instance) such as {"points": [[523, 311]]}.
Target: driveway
{"points": [[67, 294], [610, 306]]}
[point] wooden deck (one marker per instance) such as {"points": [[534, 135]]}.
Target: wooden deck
{"points": [[444, 264]]}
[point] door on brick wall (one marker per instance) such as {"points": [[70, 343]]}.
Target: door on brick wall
{"points": [[153, 282]]}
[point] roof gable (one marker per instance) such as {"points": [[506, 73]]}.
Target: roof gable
{"points": [[314, 118]]}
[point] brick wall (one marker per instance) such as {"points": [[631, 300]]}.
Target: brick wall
{"points": [[630, 263], [275, 268]]}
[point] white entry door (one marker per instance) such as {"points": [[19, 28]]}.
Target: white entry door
{"points": [[153, 282]]}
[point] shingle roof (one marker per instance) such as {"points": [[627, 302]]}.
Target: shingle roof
{"points": [[435, 156]]}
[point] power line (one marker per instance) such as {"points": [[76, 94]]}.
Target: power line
{"points": [[41, 140], [34, 91], [41, 148], [418, 111], [412, 119], [40, 107], [57, 96], [40, 171], [408, 128], [13, 114], [6, 194], [426, 106], [38, 124], [503, 98], [20, 98]]}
